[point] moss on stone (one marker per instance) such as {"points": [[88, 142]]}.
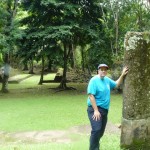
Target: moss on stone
{"points": [[136, 92], [137, 145]]}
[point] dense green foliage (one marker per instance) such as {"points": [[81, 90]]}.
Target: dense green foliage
{"points": [[100, 24], [55, 32]]}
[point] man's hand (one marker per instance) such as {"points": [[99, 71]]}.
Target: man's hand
{"points": [[96, 115], [125, 71]]}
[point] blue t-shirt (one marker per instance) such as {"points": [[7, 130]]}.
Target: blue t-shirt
{"points": [[100, 88]]}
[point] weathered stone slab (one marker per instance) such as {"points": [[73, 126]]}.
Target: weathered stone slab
{"points": [[136, 90]]}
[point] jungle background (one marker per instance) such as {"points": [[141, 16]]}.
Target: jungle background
{"points": [[72, 35]]}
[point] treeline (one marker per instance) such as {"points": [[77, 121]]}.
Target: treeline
{"points": [[77, 34]]}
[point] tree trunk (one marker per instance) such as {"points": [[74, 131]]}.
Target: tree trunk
{"points": [[135, 132], [83, 59], [49, 67], [117, 28], [25, 66], [67, 50], [73, 64], [42, 72], [63, 81], [31, 67]]}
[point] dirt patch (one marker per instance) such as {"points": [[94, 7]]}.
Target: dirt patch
{"points": [[41, 136], [59, 136], [85, 129]]}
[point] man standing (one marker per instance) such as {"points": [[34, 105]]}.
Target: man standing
{"points": [[98, 102]]}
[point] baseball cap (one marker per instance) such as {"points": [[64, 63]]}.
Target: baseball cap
{"points": [[102, 65]]}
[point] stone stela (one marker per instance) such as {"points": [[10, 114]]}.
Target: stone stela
{"points": [[135, 130]]}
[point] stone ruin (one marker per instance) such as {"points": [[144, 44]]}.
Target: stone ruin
{"points": [[135, 131]]}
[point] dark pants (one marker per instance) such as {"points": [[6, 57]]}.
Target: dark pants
{"points": [[98, 127]]}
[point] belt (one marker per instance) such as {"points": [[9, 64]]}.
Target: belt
{"points": [[100, 107]]}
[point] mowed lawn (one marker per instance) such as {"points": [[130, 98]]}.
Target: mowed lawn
{"points": [[32, 107]]}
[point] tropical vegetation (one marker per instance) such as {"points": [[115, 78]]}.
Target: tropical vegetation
{"points": [[71, 34]]}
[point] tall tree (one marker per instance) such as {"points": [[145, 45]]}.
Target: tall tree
{"points": [[120, 16], [70, 22], [10, 7]]}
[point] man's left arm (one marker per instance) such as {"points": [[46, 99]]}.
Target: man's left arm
{"points": [[123, 74]]}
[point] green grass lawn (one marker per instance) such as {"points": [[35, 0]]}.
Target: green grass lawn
{"points": [[32, 107]]}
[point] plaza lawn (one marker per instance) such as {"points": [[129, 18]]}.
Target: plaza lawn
{"points": [[32, 107]]}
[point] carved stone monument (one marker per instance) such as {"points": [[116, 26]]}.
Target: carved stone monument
{"points": [[135, 131]]}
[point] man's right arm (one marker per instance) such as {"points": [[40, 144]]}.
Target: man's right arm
{"points": [[97, 114]]}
